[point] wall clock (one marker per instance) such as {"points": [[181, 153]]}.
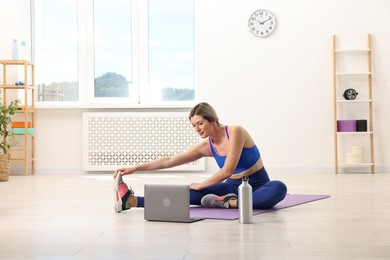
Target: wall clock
{"points": [[262, 23]]}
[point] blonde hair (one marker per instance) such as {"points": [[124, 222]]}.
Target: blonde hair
{"points": [[205, 110]]}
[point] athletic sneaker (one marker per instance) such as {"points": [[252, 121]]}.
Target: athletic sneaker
{"points": [[121, 194], [214, 201]]}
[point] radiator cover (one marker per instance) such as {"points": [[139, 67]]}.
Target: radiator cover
{"points": [[112, 140]]}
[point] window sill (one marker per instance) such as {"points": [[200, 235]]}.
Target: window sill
{"points": [[76, 105]]}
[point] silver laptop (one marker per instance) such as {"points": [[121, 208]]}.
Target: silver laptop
{"points": [[167, 203]]}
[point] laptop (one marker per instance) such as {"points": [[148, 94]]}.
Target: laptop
{"points": [[168, 203]]}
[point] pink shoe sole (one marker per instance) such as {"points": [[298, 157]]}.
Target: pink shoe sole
{"points": [[117, 196]]}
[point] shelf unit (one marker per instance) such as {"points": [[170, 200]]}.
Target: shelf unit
{"points": [[26, 111], [364, 75]]}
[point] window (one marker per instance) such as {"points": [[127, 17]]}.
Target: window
{"points": [[115, 51], [112, 46], [56, 60], [171, 50]]}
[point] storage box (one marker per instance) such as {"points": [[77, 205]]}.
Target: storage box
{"points": [[346, 125], [20, 131], [358, 150], [361, 125], [22, 124], [353, 158]]}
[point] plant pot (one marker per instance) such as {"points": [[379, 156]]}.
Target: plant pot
{"points": [[4, 167]]}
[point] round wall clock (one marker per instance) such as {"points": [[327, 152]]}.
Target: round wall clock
{"points": [[262, 23]]}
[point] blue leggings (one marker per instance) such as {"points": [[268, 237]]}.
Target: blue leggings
{"points": [[266, 193]]}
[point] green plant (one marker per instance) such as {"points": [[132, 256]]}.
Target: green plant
{"points": [[6, 113]]}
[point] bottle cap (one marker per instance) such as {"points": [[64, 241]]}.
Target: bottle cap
{"points": [[245, 178]]}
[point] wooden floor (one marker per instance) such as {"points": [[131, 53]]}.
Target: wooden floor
{"points": [[71, 216]]}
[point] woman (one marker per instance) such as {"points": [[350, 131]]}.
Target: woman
{"points": [[236, 155]]}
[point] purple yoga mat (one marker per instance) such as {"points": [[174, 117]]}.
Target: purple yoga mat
{"points": [[289, 201]]}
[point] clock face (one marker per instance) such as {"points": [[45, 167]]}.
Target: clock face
{"points": [[262, 23]]}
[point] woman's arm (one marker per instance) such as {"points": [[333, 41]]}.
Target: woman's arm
{"points": [[237, 140], [257, 166], [196, 152]]}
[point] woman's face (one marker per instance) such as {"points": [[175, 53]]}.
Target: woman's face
{"points": [[201, 126]]}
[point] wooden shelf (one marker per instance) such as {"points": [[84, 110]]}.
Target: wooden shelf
{"points": [[23, 110], [22, 159], [367, 52], [352, 51], [354, 133], [355, 165], [26, 112], [353, 101], [16, 62], [353, 74], [16, 87]]}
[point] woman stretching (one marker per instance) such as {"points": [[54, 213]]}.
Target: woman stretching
{"points": [[236, 155]]}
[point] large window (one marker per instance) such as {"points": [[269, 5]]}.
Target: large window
{"points": [[171, 50], [114, 51], [112, 45], [56, 52]]}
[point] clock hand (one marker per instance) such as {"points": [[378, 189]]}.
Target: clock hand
{"points": [[269, 18], [257, 21]]}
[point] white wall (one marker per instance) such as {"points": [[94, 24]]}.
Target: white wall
{"points": [[280, 88], [14, 24]]}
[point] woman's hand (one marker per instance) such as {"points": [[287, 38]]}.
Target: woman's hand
{"points": [[124, 171], [195, 186]]}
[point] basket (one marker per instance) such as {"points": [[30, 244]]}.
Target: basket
{"points": [[4, 167]]}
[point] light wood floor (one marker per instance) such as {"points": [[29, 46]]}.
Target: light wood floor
{"points": [[71, 216]]}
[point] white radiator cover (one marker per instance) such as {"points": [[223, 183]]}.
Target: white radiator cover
{"points": [[112, 140]]}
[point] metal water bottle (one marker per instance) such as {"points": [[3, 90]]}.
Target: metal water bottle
{"points": [[245, 205]]}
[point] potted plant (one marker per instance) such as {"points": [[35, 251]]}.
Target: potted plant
{"points": [[6, 113]]}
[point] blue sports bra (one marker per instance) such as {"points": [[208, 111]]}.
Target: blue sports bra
{"points": [[249, 156]]}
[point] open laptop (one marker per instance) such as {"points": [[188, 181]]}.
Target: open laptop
{"points": [[167, 203]]}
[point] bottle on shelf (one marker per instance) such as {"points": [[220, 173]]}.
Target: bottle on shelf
{"points": [[15, 50], [23, 51]]}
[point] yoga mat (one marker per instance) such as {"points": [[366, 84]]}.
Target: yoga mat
{"points": [[230, 214]]}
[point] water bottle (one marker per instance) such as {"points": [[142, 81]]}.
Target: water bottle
{"points": [[15, 51], [23, 51], [245, 205]]}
